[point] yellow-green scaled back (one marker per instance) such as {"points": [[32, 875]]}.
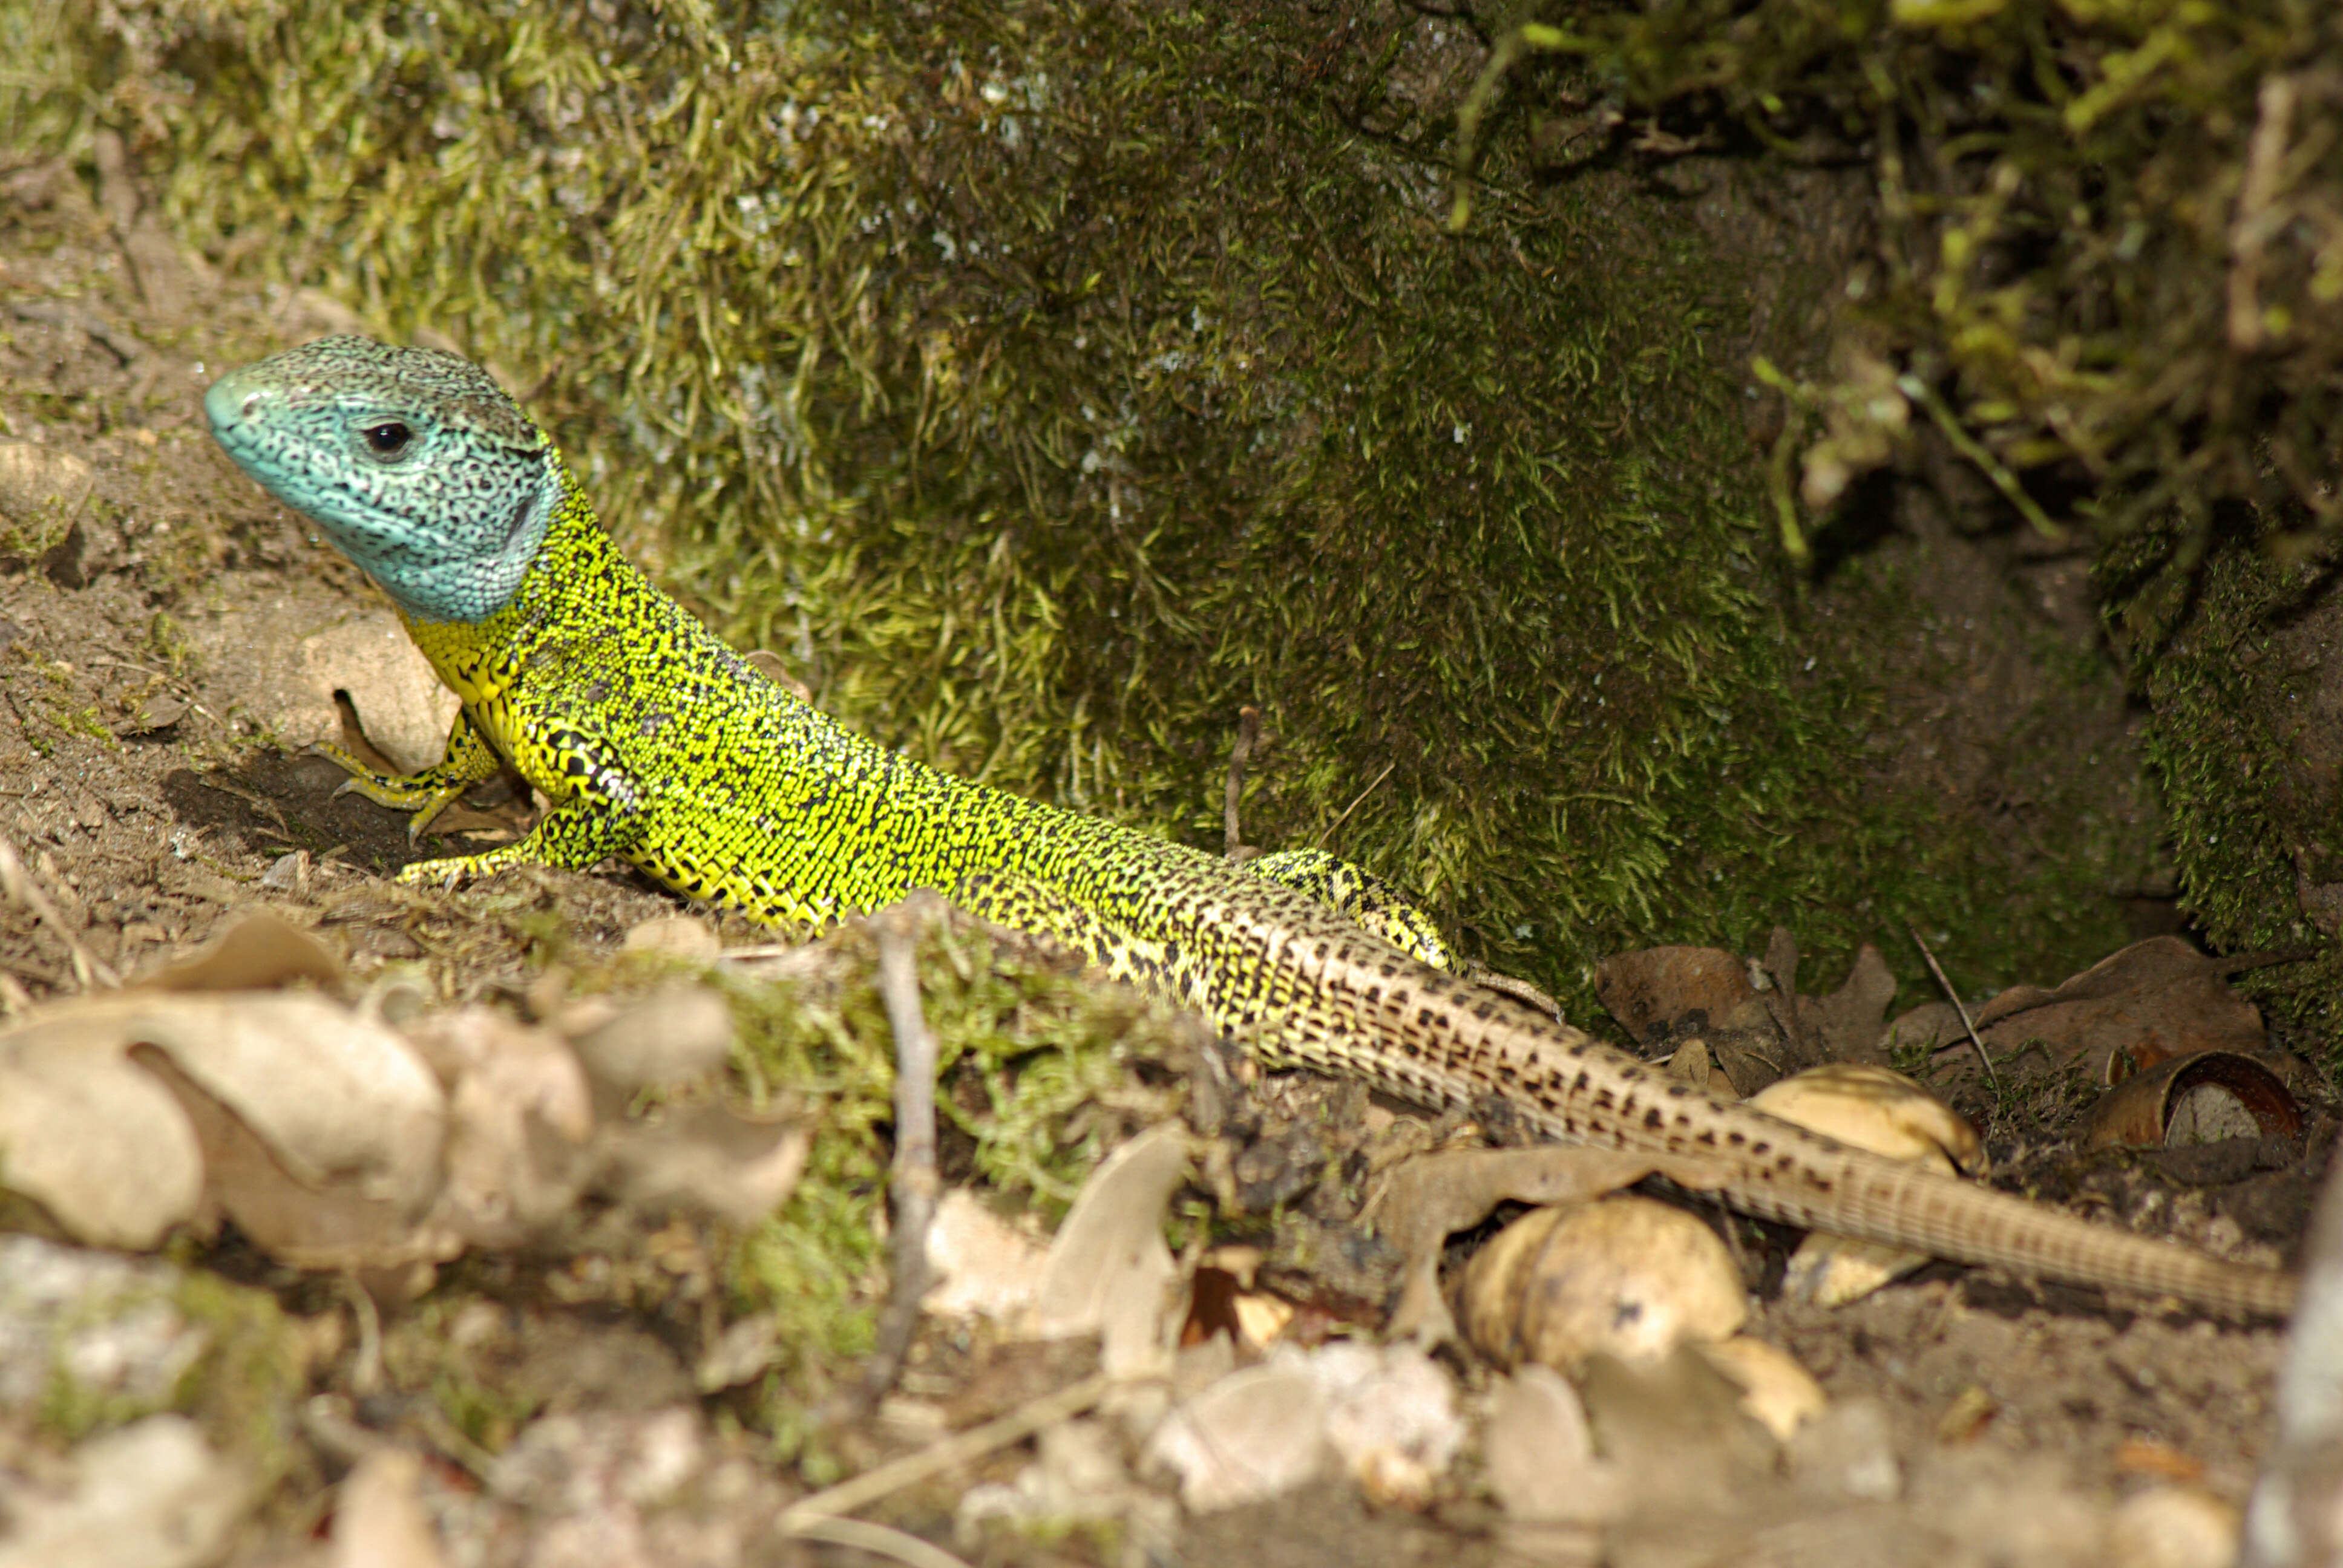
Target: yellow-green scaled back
{"points": [[658, 744]]}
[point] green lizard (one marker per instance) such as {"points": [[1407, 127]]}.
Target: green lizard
{"points": [[660, 746]]}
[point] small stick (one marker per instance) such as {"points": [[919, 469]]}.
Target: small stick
{"points": [[914, 1182], [1938, 970], [879, 1540], [860, 1491], [17, 882], [1248, 733], [1328, 831]]}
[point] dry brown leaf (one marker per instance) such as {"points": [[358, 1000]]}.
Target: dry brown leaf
{"points": [[328, 1099], [332, 1225], [981, 1264], [96, 1142], [675, 1035], [1852, 1021], [1107, 1271], [1652, 991], [520, 1128], [2146, 1004], [258, 950], [705, 1159]]}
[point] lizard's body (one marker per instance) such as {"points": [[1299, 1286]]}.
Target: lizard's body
{"points": [[657, 745]]}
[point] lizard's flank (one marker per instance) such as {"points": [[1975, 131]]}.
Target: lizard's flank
{"points": [[659, 746]]}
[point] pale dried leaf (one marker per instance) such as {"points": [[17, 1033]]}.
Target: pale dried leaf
{"points": [[378, 1516], [1254, 1435], [983, 1265], [1107, 1271], [521, 1128], [708, 1160], [671, 1037], [258, 950], [97, 1143]]}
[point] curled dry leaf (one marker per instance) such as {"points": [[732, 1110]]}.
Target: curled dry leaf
{"points": [[258, 950], [1107, 1271], [99, 1144], [673, 1036], [982, 1264], [1651, 991], [341, 1105], [1432, 1196], [1625, 1277], [1888, 1113], [520, 1125], [708, 1160], [2143, 1005]]}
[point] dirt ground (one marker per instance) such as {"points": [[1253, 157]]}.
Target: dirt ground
{"points": [[153, 703]]}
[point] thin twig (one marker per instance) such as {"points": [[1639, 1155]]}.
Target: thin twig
{"points": [[1958, 1006], [1248, 733], [879, 1540], [914, 1182], [366, 1366], [1328, 831], [959, 1448], [90, 970]]}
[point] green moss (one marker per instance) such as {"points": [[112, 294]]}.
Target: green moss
{"points": [[2253, 803], [1037, 1068], [1048, 382]]}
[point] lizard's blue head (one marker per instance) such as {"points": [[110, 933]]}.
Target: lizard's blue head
{"points": [[420, 468]]}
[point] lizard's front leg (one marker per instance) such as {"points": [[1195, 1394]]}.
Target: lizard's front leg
{"points": [[598, 813], [470, 762]]}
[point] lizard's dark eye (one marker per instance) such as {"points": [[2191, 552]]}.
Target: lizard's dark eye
{"points": [[389, 439]]}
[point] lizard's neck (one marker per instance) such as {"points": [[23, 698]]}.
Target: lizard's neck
{"points": [[479, 660]]}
